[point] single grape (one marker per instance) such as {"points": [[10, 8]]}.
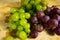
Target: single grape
{"points": [[14, 17], [22, 16], [57, 30], [32, 2], [37, 2], [45, 19], [33, 20], [20, 28], [38, 7], [27, 31], [13, 26], [22, 35], [40, 14], [48, 10], [28, 6], [57, 17], [44, 2], [9, 38], [21, 11], [13, 10], [44, 8], [23, 21], [33, 34], [27, 15], [52, 23], [27, 26], [39, 28], [55, 11]]}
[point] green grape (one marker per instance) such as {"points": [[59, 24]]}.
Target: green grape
{"points": [[27, 31], [25, 2], [32, 2], [27, 15], [13, 10], [38, 7], [22, 16], [44, 8], [15, 17], [44, 2], [27, 26], [13, 26], [37, 2], [9, 38], [21, 11], [20, 28], [28, 6], [23, 21], [22, 35], [17, 33]]}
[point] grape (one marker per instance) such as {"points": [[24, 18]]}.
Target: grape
{"points": [[57, 17], [38, 7], [27, 31], [44, 2], [32, 2], [39, 28], [33, 19], [21, 11], [22, 35], [52, 23], [13, 10], [28, 7], [27, 15], [47, 11], [22, 16], [57, 31], [44, 8], [55, 11], [33, 34], [9, 38], [15, 17], [23, 21], [13, 26], [45, 18], [20, 28], [27, 26], [37, 2], [40, 14]]}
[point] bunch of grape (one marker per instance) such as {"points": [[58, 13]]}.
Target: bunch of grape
{"points": [[49, 20], [19, 25], [19, 18]]}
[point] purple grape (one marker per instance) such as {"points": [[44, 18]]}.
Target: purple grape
{"points": [[55, 11], [45, 18], [33, 19], [57, 30], [57, 17], [52, 23], [47, 11], [39, 28], [40, 14], [33, 34]]}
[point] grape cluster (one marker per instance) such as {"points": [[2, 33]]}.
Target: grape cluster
{"points": [[19, 19], [48, 19], [19, 25]]}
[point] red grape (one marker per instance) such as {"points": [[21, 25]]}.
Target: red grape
{"points": [[33, 19], [40, 14], [57, 30], [45, 18], [56, 17], [33, 34], [52, 23], [39, 28]]}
